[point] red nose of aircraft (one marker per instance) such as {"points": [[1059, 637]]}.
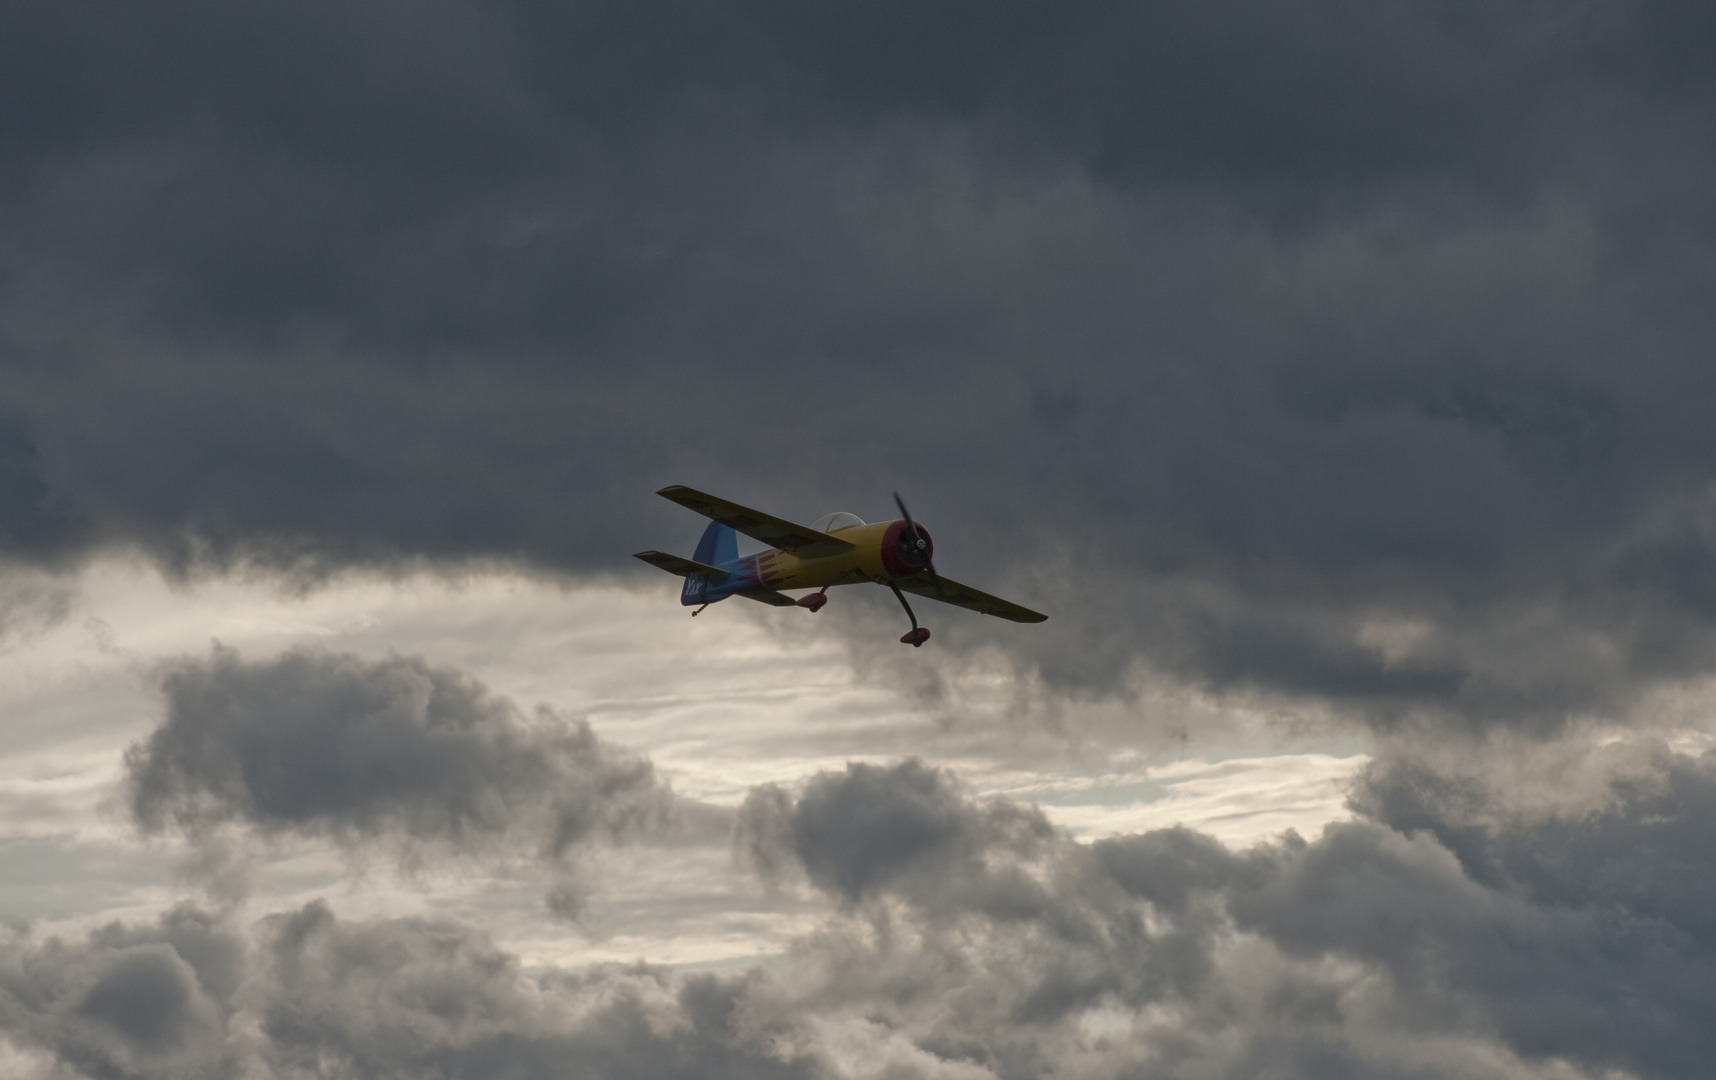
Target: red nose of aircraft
{"points": [[906, 548]]}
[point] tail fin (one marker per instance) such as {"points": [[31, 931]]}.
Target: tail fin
{"points": [[719, 547]]}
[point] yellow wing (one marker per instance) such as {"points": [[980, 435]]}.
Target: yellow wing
{"points": [[801, 540], [952, 592]]}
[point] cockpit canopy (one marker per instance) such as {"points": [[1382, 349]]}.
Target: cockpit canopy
{"points": [[836, 521]]}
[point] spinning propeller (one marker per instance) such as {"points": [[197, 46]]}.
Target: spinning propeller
{"points": [[914, 546], [914, 551]]}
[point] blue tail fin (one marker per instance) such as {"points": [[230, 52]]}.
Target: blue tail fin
{"points": [[719, 546]]}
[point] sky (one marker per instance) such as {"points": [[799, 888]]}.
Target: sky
{"points": [[1334, 376]]}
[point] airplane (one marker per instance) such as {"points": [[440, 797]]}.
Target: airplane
{"points": [[837, 549]]}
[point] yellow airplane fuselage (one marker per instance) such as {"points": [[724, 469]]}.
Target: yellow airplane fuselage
{"points": [[779, 569]]}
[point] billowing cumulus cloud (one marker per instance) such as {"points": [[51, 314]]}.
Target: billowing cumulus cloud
{"points": [[405, 996], [130, 1001], [871, 829], [395, 752], [1386, 947], [1476, 940], [1353, 357]]}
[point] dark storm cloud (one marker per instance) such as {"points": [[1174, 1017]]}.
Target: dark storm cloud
{"points": [[1348, 352], [1401, 944], [38, 522], [395, 751]]}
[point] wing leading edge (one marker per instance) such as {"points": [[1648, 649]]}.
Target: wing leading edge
{"points": [[952, 592], [801, 540]]}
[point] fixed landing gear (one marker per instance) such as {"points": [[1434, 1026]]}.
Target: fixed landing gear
{"points": [[919, 634], [815, 600]]}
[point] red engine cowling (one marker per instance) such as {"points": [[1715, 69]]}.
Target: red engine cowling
{"points": [[901, 556]]}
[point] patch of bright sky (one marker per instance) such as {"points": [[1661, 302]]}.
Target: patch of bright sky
{"points": [[719, 703]]}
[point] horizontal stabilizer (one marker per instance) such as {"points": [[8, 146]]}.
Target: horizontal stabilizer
{"points": [[801, 540], [952, 592], [767, 596], [673, 564]]}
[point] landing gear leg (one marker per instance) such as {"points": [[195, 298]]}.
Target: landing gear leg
{"points": [[698, 612], [919, 634]]}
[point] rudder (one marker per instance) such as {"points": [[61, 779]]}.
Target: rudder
{"points": [[719, 547]]}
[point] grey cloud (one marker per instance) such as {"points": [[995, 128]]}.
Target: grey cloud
{"points": [[449, 1001], [904, 827], [1526, 946], [396, 751], [143, 997], [1447, 935], [1169, 867], [1635, 850], [1600, 975], [386, 998], [1023, 927], [1276, 329], [148, 1001], [31, 603], [39, 521]]}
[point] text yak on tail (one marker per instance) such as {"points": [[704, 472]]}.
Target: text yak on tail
{"points": [[840, 549]]}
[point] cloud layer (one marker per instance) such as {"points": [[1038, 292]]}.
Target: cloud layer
{"points": [[1386, 947], [394, 997], [1354, 358], [1451, 934]]}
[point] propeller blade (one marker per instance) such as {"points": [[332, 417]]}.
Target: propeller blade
{"points": [[912, 527]]}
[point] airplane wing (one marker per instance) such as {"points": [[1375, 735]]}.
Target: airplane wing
{"points": [[673, 564], [767, 596], [801, 540], [952, 592]]}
